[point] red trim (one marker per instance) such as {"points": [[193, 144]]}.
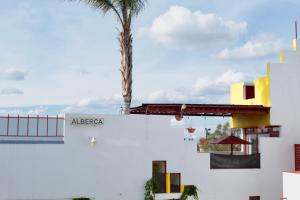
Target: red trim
{"points": [[199, 109]]}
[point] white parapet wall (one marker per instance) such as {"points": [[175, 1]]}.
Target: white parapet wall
{"points": [[113, 160], [291, 183]]}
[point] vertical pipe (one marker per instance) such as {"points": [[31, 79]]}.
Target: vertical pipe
{"points": [[27, 125], [18, 125], [257, 143], [37, 126], [296, 30], [47, 127], [7, 125], [56, 124]]}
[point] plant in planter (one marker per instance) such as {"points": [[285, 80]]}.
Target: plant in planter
{"points": [[189, 191], [191, 130], [150, 189], [178, 117]]}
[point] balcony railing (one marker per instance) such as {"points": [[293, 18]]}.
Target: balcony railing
{"points": [[31, 127], [220, 161]]}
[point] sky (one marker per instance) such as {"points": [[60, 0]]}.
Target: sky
{"points": [[58, 56]]}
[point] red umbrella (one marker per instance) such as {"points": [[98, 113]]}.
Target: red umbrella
{"points": [[231, 140]]}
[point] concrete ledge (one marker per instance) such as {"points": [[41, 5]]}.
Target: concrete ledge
{"points": [[167, 196], [31, 140]]}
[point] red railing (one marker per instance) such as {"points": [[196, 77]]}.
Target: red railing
{"points": [[29, 126], [272, 131], [297, 157]]}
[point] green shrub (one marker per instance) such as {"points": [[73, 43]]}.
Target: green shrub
{"points": [[150, 189], [190, 191]]}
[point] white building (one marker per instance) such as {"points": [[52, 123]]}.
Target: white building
{"points": [[110, 157]]}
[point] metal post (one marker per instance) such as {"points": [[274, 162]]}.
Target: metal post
{"points": [[27, 125], [296, 30], [7, 127], [47, 127], [56, 124], [18, 125], [37, 126]]}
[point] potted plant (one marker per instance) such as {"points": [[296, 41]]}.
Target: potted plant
{"points": [[189, 191], [191, 130], [178, 117], [150, 189]]}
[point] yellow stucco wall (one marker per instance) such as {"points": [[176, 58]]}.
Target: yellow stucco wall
{"points": [[168, 183], [262, 97]]}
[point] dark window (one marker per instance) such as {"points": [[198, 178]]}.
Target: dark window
{"points": [[297, 157], [249, 91], [254, 198], [175, 182], [159, 169]]}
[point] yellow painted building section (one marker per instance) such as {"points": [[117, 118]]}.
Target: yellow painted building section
{"points": [[168, 183], [281, 56], [294, 44], [181, 188], [262, 97]]}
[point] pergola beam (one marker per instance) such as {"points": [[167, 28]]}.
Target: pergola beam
{"points": [[210, 110]]}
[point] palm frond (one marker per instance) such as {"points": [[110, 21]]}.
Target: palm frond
{"points": [[104, 5], [136, 6], [130, 7]]}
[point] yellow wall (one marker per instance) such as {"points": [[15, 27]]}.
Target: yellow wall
{"points": [[248, 121], [262, 97], [181, 188], [294, 44], [168, 183]]}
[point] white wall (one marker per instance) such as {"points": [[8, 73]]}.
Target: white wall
{"points": [[118, 166], [291, 182]]}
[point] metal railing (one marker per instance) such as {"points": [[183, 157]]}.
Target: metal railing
{"points": [[29, 126]]}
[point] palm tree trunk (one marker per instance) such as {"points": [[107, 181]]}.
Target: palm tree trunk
{"points": [[125, 40]]}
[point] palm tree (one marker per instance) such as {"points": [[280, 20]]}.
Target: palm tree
{"points": [[125, 10]]}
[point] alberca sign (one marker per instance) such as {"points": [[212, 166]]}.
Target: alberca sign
{"points": [[87, 121]]}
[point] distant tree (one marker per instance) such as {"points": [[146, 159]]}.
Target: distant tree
{"points": [[221, 131]]}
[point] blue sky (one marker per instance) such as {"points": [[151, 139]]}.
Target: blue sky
{"points": [[57, 56]]}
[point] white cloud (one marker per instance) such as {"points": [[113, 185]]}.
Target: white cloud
{"points": [[204, 90], [41, 110], [162, 96], [13, 74], [10, 91], [92, 106], [217, 86], [261, 46], [12, 112], [180, 27]]}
